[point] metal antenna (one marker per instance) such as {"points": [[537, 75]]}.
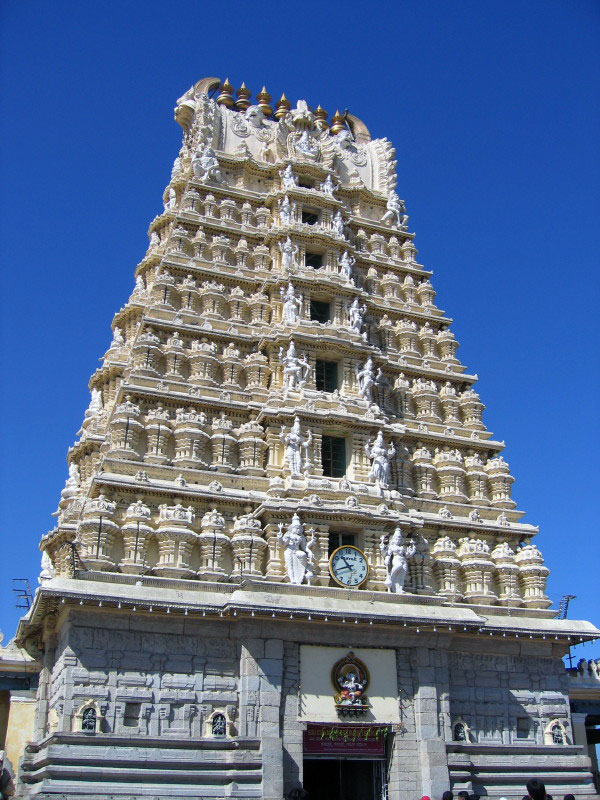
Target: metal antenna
{"points": [[22, 590]]}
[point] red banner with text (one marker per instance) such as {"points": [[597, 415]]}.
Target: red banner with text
{"points": [[368, 740]]}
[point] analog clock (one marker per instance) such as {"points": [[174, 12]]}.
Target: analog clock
{"points": [[348, 566]]}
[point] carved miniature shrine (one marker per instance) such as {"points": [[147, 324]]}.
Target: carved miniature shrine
{"points": [[287, 535]]}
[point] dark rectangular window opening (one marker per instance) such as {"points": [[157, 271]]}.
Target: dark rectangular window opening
{"points": [[326, 376], [320, 311], [309, 218], [314, 260], [333, 456], [131, 717], [305, 183], [523, 727], [338, 539]]}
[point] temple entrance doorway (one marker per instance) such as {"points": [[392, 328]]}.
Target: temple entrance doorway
{"points": [[344, 779]]}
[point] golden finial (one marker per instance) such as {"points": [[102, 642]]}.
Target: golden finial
{"points": [[226, 96], [243, 101], [337, 123], [264, 98], [282, 106], [321, 118]]}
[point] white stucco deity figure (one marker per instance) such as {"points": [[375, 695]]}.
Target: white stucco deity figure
{"points": [[288, 179], [286, 210], [292, 305], [338, 224], [294, 443], [288, 254], [139, 287], [298, 553], [154, 242], [95, 405], [356, 315], [206, 165], [346, 263], [396, 212], [176, 170], [47, 571], [255, 117], [328, 186], [295, 370], [172, 198], [395, 557], [117, 338], [343, 139], [307, 146], [380, 457], [366, 379]]}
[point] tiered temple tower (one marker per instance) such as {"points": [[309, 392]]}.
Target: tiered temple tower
{"points": [[280, 384]]}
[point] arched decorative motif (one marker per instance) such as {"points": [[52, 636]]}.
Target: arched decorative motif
{"points": [[461, 732], [87, 718], [350, 679], [218, 725], [555, 732]]}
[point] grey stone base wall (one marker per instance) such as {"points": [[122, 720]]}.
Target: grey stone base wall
{"points": [[156, 682]]}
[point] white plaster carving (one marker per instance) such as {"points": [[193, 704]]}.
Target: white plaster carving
{"points": [[298, 553]]}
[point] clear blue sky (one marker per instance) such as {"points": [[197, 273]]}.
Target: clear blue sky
{"points": [[494, 110]]}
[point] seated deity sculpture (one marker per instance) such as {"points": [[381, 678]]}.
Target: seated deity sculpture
{"points": [[395, 211], [206, 165]]}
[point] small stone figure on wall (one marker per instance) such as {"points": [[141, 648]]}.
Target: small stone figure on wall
{"points": [[396, 211], [294, 442], [328, 186], [295, 370], [288, 179], [206, 165], [89, 720], [380, 456], [338, 224], [286, 209], [366, 379], [288, 253], [395, 556], [346, 263], [356, 315], [292, 305], [298, 554]]}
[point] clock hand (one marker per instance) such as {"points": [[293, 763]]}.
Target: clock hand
{"points": [[340, 569]]}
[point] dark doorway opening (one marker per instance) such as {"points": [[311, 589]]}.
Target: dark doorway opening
{"points": [[342, 779]]}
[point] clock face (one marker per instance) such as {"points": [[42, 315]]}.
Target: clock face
{"points": [[348, 566]]}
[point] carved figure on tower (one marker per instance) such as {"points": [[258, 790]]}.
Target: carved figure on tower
{"points": [[298, 555], [396, 211], [380, 457], [288, 253], [338, 224], [294, 444], [307, 146], [206, 165], [292, 305], [346, 263], [295, 370], [288, 179], [286, 209], [395, 557], [328, 186], [366, 379], [356, 315]]}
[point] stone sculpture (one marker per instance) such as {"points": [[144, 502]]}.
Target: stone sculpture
{"points": [[206, 165], [366, 379], [288, 253], [288, 179], [338, 224], [292, 305], [380, 457], [356, 315], [395, 211], [395, 556], [295, 370], [298, 555], [294, 443], [346, 263], [285, 210], [328, 186]]}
